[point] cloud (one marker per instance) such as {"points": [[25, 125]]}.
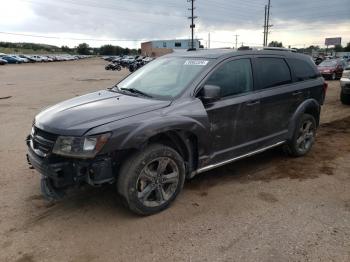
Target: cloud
{"points": [[145, 19]]}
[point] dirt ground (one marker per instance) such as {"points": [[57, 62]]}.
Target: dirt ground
{"points": [[266, 208]]}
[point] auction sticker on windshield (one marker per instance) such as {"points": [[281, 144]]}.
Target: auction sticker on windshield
{"points": [[196, 62]]}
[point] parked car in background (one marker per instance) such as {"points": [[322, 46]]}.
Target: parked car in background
{"points": [[29, 58], [3, 61], [24, 60], [37, 58], [346, 58], [345, 86], [332, 68], [318, 60], [178, 116], [12, 60]]}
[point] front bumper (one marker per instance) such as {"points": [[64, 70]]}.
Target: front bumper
{"points": [[327, 74], [65, 172], [345, 85]]}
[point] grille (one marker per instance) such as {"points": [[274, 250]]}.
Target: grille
{"points": [[43, 141]]}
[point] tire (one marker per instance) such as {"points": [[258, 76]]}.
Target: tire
{"points": [[303, 136], [149, 181], [49, 191], [345, 98]]}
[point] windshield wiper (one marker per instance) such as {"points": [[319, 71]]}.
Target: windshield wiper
{"points": [[136, 91]]}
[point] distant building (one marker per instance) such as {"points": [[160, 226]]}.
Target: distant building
{"points": [[162, 47]]}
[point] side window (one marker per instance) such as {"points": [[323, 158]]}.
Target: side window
{"points": [[233, 77], [302, 70], [272, 72]]}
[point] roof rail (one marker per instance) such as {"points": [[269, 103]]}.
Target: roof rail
{"points": [[279, 49]]}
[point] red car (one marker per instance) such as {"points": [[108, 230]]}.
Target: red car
{"points": [[332, 68]]}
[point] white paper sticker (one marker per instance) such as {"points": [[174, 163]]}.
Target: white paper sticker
{"points": [[196, 62]]}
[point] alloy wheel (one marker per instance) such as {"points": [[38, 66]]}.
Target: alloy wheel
{"points": [[306, 136], [157, 182]]}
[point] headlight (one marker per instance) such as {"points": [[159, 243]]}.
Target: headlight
{"points": [[80, 147]]}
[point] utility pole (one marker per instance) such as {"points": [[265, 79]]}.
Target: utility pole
{"points": [[236, 40], [268, 21], [192, 17], [265, 16], [209, 40]]}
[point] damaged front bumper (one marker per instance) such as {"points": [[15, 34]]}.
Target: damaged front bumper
{"points": [[66, 172]]}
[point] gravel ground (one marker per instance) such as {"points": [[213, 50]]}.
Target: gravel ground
{"points": [[266, 208]]}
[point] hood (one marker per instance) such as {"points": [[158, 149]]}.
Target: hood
{"points": [[76, 116]]}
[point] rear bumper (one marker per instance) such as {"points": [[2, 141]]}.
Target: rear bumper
{"points": [[68, 172]]}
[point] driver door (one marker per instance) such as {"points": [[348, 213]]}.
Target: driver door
{"points": [[232, 117]]}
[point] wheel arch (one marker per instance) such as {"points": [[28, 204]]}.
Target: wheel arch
{"points": [[184, 142], [310, 106]]}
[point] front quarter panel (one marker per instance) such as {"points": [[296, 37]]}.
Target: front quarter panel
{"points": [[186, 115]]}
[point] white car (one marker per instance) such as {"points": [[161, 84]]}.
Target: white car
{"points": [[37, 58]]}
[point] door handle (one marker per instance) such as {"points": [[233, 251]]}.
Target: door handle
{"points": [[297, 93], [253, 103]]}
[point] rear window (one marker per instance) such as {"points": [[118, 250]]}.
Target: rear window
{"points": [[273, 72], [302, 70]]}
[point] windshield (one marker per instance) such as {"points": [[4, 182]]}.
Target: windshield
{"points": [[164, 78], [329, 63]]}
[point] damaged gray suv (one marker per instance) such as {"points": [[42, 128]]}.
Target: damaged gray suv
{"points": [[178, 116]]}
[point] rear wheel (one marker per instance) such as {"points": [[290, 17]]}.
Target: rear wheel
{"points": [[303, 137], [345, 98], [150, 180]]}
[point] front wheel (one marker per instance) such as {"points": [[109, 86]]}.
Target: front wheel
{"points": [[150, 180], [303, 137]]}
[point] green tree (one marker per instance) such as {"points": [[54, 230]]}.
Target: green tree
{"points": [[108, 50], [83, 49], [65, 49], [275, 44], [347, 48], [338, 48]]}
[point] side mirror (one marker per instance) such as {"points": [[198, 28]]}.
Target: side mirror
{"points": [[211, 93]]}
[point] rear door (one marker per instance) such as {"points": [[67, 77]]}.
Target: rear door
{"points": [[279, 97]]}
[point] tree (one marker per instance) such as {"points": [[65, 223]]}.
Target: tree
{"points": [[65, 49], [83, 49], [347, 48], [275, 44], [338, 48], [108, 50]]}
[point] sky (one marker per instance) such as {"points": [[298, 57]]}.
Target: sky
{"points": [[297, 23]]}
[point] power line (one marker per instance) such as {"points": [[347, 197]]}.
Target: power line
{"points": [[78, 39]]}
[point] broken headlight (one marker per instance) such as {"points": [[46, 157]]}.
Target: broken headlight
{"points": [[80, 147]]}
